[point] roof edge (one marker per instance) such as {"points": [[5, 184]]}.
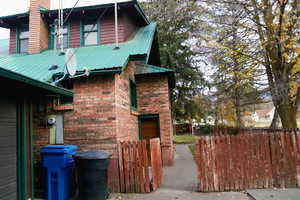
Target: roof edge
{"points": [[39, 84]]}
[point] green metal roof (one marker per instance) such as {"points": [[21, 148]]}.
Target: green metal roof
{"points": [[38, 84], [4, 46], [95, 58], [145, 69]]}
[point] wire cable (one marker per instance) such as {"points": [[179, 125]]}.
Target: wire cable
{"points": [[102, 14], [67, 17]]}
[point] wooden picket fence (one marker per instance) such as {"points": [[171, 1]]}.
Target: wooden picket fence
{"points": [[249, 161], [138, 174]]}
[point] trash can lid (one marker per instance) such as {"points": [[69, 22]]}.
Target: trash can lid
{"points": [[71, 149], [92, 155]]}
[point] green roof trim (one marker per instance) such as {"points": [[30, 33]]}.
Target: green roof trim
{"points": [[107, 5], [27, 80], [95, 58], [18, 15], [145, 69], [150, 69]]}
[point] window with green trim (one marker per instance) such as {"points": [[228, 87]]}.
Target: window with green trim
{"points": [[54, 41], [133, 95], [90, 34], [23, 39]]}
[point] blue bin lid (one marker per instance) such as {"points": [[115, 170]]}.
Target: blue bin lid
{"points": [[92, 155], [63, 149]]}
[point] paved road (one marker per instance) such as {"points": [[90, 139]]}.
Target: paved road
{"points": [[180, 182]]}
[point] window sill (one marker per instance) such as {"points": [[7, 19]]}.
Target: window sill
{"points": [[64, 107], [134, 112]]}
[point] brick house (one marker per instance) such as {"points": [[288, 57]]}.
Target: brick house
{"points": [[125, 97]]}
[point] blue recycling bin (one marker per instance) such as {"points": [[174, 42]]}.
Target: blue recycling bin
{"points": [[59, 167]]}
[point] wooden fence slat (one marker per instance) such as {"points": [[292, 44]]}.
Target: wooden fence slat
{"points": [[121, 168], [298, 159], [136, 167], [141, 171], [146, 167], [248, 161], [206, 164], [227, 164], [126, 167]]}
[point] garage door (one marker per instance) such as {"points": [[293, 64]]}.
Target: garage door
{"points": [[8, 153]]}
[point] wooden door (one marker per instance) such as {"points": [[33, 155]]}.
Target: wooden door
{"points": [[149, 130]]}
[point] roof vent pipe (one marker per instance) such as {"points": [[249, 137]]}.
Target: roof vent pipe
{"points": [[116, 26]]}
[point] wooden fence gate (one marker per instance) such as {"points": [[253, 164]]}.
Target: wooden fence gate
{"points": [[249, 161], [138, 174]]}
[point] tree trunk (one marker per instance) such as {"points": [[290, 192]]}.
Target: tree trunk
{"points": [[239, 120], [275, 120], [288, 116]]}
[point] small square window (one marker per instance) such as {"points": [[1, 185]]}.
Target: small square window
{"points": [[23, 39], [23, 45], [65, 33], [90, 38], [90, 33]]}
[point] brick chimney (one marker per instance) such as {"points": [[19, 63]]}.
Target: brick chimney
{"points": [[38, 28]]}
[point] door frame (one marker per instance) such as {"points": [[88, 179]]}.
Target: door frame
{"points": [[147, 116], [24, 127]]}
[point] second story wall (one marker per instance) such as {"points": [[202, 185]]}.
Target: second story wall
{"points": [[105, 27], [126, 25]]}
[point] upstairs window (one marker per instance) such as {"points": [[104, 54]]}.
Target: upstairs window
{"points": [[65, 33], [90, 34], [23, 39], [133, 95], [53, 40]]}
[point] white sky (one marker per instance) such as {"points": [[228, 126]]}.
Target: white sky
{"points": [[9, 7]]}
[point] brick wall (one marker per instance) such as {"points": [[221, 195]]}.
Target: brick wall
{"points": [[13, 41], [92, 123], [154, 98], [127, 119]]}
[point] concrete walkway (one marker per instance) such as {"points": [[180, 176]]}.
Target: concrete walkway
{"points": [[275, 194], [180, 183]]}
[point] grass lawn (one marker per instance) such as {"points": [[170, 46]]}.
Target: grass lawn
{"points": [[192, 147], [184, 139]]}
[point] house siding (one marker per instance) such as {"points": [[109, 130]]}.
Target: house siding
{"points": [[75, 34], [107, 30], [13, 41], [154, 98]]}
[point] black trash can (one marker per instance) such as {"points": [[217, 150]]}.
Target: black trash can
{"points": [[91, 167]]}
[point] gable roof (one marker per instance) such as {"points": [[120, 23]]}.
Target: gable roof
{"points": [[95, 58]]}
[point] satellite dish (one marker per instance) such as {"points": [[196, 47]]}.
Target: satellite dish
{"points": [[71, 62]]}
